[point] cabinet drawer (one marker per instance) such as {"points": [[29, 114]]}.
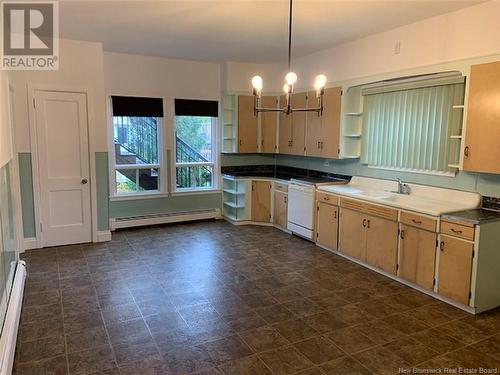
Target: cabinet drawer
{"points": [[327, 198], [281, 186], [418, 221], [352, 204], [384, 212], [457, 230]]}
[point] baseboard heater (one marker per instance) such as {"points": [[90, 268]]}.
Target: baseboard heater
{"points": [[173, 217], [11, 323]]}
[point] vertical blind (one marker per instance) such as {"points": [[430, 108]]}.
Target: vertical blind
{"points": [[409, 127]]}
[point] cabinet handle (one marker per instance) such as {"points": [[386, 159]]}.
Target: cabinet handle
{"points": [[466, 151], [241, 142], [402, 234], [416, 221], [326, 198], [262, 142], [286, 199], [441, 246], [335, 214], [364, 223], [456, 231], [318, 144], [321, 144], [368, 226]]}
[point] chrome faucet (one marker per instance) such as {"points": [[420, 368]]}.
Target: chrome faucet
{"points": [[402, 187]]}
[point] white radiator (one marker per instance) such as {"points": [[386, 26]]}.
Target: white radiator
{"points": [[135, 221], [11, 324]]}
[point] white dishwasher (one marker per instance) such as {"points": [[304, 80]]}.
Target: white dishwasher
{"points": [[301, 209]]}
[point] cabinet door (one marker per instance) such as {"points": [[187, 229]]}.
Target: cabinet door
{"points": [[482, 139], [313, 131], [352, 233], [417, 256], [268, 124], [247, 125], [330, 122], [299, 100], [280, 208], [285, 130], [261, 201], [327, 226], [455, 269], [382, 243]]}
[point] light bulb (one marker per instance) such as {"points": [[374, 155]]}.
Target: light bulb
{"points": [[291, 78], [320, 82], [286, 88], [257, 83]]}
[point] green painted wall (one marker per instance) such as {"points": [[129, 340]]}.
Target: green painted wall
{"points": [[485, 184], [180, 203], [102, 188], [27, 200]]}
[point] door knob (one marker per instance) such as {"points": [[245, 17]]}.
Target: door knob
{"points": [[84, 181]]}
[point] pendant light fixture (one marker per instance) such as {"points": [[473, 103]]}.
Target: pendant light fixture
{"points": [[290, 79]]}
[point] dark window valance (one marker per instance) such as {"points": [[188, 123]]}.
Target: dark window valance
{"points": [[137, 106], [191, 107]]}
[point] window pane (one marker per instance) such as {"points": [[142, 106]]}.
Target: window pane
{"points": [[148, 179], [136, 140], [194, 177], [125, 181], [193, 139]]}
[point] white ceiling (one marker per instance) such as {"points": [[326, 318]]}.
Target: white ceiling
{"points": [[237, 30]]}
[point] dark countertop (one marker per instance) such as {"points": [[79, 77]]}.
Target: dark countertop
{"points": [[283, 173], [477, 216]]}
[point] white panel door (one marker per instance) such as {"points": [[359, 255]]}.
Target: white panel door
{"points": [[63, 163]]}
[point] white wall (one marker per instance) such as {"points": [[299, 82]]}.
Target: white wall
{"points": [[5, 132], [466, 33], [80, 67]]}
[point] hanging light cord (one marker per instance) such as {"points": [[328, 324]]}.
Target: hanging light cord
{"points": [[290, 37]]}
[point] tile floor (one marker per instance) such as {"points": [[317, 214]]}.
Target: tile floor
{"points": [[212, 298]]}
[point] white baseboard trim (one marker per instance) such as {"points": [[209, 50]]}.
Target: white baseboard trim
{"points": [[136, 221], [9, 333], [103, 236], [31, 243]]}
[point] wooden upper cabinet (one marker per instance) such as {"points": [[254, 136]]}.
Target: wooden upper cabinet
{"points": [[247, 125], [330, 122], [261, 201], [327, 225], [285, 130], [382, 243], [455, 269], [268, 125], [313, 131], [482, 138], [417, 255], [280, 208], [299, 100]]}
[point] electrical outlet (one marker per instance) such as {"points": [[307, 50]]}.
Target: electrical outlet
{"points": [[326, 163], [397, 48]]}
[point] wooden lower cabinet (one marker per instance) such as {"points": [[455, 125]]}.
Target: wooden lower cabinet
{"points": [[352, 233], [261, 201], [417, 256], [280, 208], [327, 225], [455, 269], [382, 243]]}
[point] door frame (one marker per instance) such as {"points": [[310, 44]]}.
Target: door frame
{"points": [[91, 126]]}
